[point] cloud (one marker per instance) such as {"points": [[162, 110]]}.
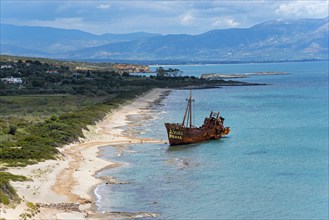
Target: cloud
{"points": [[303, 9], [225, 23], [187, 19], [157, 16], [104, 6]]}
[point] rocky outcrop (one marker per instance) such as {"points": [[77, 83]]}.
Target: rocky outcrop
{"points": [[111, 180], [122, 215], [62, 206]]}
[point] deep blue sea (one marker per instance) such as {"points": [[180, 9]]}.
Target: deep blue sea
{"points": [[273, 164]]}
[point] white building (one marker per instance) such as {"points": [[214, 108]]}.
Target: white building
{"points": [[12, 80], [6, 67]]}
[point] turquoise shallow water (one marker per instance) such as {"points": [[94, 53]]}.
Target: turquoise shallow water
{"points": [[273, 165]]}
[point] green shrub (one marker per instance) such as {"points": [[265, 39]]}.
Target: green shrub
{"points": [[7, 192], [12, 129]]}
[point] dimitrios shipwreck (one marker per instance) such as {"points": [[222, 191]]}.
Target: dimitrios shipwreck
{"points": [[186, 133]]}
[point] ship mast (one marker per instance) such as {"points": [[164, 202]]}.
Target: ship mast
{"points": [[190, 108], [188, 111]]}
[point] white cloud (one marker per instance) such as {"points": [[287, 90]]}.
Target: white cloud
{"points": [[159, 16], [103, 6], [225, 23], [187, 19], [303, 9]]}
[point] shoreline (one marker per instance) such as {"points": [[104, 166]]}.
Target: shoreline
{"points": [[64, 188]]}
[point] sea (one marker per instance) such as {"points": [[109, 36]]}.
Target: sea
{"points": [[273, 164]]}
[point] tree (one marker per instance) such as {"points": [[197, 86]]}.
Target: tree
{"points": [[37, 83], [125, 74], [177, 72], [37, 62], [12, 129], [160, 72]]}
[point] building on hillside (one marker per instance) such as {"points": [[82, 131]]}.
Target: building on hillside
{"points": [[6, 66], [12, 80], [52, 71]]}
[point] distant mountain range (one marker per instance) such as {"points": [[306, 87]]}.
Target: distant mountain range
{"points": [[270, 41]]}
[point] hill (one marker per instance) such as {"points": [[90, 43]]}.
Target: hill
{"points": [[55, 42], [273, 40]]}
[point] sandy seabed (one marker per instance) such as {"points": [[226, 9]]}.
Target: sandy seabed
{"points": [[64, 188]]}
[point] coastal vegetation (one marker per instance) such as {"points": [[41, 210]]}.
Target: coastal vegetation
{"points": [[45, 104], [7, 192]]}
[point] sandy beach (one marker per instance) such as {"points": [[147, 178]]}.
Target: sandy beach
{"points": [[64, 188]]}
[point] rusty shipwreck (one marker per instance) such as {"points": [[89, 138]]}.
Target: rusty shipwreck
{"points": [[186, 133]]}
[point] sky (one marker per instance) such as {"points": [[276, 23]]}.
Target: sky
{"points": [[155, 16]]}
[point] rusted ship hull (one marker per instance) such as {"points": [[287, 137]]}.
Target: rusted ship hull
{"points": [[186, 133], [179, 135]]}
